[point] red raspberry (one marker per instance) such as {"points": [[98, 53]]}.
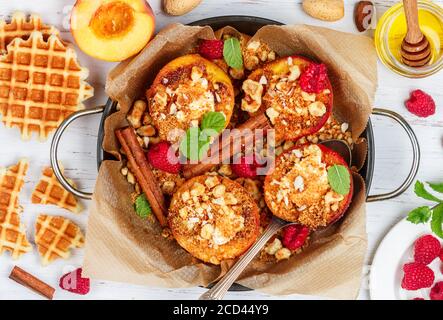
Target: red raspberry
{"points": [[211, 49], [441, 255], [426, 249], [437, 291], [247, 168], [161, 157], [294, 236], [73, 282], [421, 104], [314, 79], [417, 276]]}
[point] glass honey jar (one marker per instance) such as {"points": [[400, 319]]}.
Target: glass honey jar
{"points": [[391, 30]]}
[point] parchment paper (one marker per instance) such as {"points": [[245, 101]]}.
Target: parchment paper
{"points": [[121, 247]]}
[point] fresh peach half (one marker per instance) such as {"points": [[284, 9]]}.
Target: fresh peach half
{"points": [[112, 30]]}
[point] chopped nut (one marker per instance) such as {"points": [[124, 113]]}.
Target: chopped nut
{"points": [[207, 231], [299, 184], [254, 45], [219, 191], [282, 254], [230, 199], [211, 182], [308, 96], [146, 131], [344, 127], [272, 114], [135, 116], [168, 187], [180, 116], [225, 170], [161, 98], [294, 73], [317, 109], [254, 90], [124, 171], [196, 74], [271, 56], [273, 247], [197, 189], [186, 196], [147, 119], [183, 212], [130, 177], [237, 73]]}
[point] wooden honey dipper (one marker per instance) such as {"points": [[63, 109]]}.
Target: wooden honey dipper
{"points": [[415, 49]]}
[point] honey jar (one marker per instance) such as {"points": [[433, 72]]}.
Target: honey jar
{"points": [[391, 30]]}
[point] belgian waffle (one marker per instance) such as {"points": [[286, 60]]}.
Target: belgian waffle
{"points": [[50, 191], [41, 83], [55, 236], [12, 232], [21, 27]]}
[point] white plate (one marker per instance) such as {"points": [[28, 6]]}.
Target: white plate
{"points": [[394, 251]]}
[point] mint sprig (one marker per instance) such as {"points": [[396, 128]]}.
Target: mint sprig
{"points": [[195, 143], [339, 179], [142, 207], [232, 53], [425, 214]]}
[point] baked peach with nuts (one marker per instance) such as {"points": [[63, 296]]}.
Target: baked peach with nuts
{"points": [[112, 30], [213, 218], [185, 90], [294, 92]]}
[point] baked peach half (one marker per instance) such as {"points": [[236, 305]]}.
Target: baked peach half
{"points": [[214, 218], [112, 30], [295, 93], [298, 189], [185, 90]]}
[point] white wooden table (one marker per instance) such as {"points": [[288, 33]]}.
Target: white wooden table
{"points": [[78, 146]]}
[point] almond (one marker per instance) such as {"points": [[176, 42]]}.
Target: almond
{"points": [[364, 12], [179, 7]]}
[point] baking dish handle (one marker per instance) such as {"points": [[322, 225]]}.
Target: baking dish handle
{"points": [[415, 156], [54, 148]]}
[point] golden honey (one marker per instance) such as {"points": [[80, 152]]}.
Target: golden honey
{"points": [[391, 30]]}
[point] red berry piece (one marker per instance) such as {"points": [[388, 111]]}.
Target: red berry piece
{"points": [[160, 156], [247, 167], [75, 283], [437, 291], [421, 104], [441, 255], [418, 299], [417, 276], [426, 249], [314, 78], [211, 49], [294, 236]]}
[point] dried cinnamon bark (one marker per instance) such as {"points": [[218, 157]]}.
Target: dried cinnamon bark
{"points": [[28, 280], [143, 173], [218, 153]]}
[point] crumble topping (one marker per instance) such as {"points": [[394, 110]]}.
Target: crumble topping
{"points": [[211, 211], [299, 188], [279, 94], [183, 97]]}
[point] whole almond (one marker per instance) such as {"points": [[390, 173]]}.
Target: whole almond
{"points": [[179, 7], [364, 11], [326, 10]]}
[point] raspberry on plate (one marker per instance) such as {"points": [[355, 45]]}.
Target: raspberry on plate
{"points": [[160, 158], [437, 291], [421, 104], [294, 236], [426, 249], [417, 276], [75, 283], [211, 49]]}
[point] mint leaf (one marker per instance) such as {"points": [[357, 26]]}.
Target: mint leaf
{"points": [[339, 179], [194, 144], [213, 121], [420, 215], [142, 207], [437, 220], [420, 191], [232, 53], [436, 186]]}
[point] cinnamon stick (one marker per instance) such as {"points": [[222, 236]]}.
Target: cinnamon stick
{"points": [[143, 173], [28, 280], [218, 154]]}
